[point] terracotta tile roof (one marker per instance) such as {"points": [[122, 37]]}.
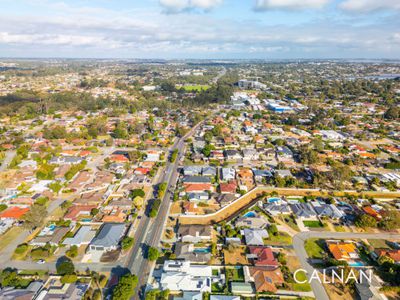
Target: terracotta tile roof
{"points": [[342, 250], [14, 212]]}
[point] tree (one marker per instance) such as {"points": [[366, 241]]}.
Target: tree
{"points": [[125, 287], [391, 220], [35, 217], [94, 211], [138, 201], [392, 113], [153, 254], [365, 221], [127, 243], [137, 192], [72, 252], [65, 267], [69, 278], [385, 259]]}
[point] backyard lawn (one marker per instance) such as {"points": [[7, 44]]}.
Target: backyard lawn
{"points": [[234, 274], [314, 248]]}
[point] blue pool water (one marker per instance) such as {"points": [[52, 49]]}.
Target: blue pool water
{"points": [[272, 200], [52, 227], [250, 214], [86, 220], [201, 250], [356, 264]]}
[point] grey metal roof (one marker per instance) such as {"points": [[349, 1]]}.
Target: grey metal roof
{"points": [[109, 235]]}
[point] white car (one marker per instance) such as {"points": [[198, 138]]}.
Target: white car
{"points": [[41, 261]]}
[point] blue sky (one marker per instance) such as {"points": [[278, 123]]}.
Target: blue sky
{"points": [[266, 29]]}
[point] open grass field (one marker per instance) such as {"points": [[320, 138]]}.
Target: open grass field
{"points": [[314, 248], [196, 88]]}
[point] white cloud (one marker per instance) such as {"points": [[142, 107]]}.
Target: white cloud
{"points": [[369, 5], [179, 5], [290, 4]]}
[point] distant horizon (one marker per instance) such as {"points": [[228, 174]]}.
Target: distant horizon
{"points": [[198, 29], [200, 59]]}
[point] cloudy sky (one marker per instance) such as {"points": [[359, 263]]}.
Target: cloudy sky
{"points": [[267, 29]]}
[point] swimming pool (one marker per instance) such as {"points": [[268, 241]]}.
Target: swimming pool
{"points": [[250, 214], [201, 250], [356, 264], [274, 199]]}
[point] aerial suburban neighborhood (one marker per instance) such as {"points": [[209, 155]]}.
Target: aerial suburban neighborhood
{"points": [[170, 180]]}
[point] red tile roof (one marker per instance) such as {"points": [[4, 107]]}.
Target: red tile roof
{"points": [[265, 256]]}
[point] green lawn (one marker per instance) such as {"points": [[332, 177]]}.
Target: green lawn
{"points": [[314, 248], [282, 238], [289, 221], [378, 244], [340, 229], [313, 224], [196, 88], [301, 287], [234, 274]]}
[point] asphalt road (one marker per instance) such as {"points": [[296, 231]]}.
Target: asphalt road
{"points": [[150, 230], [298, 245]]}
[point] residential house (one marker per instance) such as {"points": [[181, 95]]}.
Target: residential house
{"points": [[256, 222], [250, 154], [255, 237], [262, 257], [228, 187], [303, 211], [277, 208], [343, 251], [228, 174], [191, 253], [53, 237], [194, 233], [78, 212], [192, 170], [13, 213], [391, 253], [190, 296], [209, 171], [327, 210], [83, 236], [369, 210], [55, 289], [232, 154], [108, 237], [264, 279], [183, 276]]}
